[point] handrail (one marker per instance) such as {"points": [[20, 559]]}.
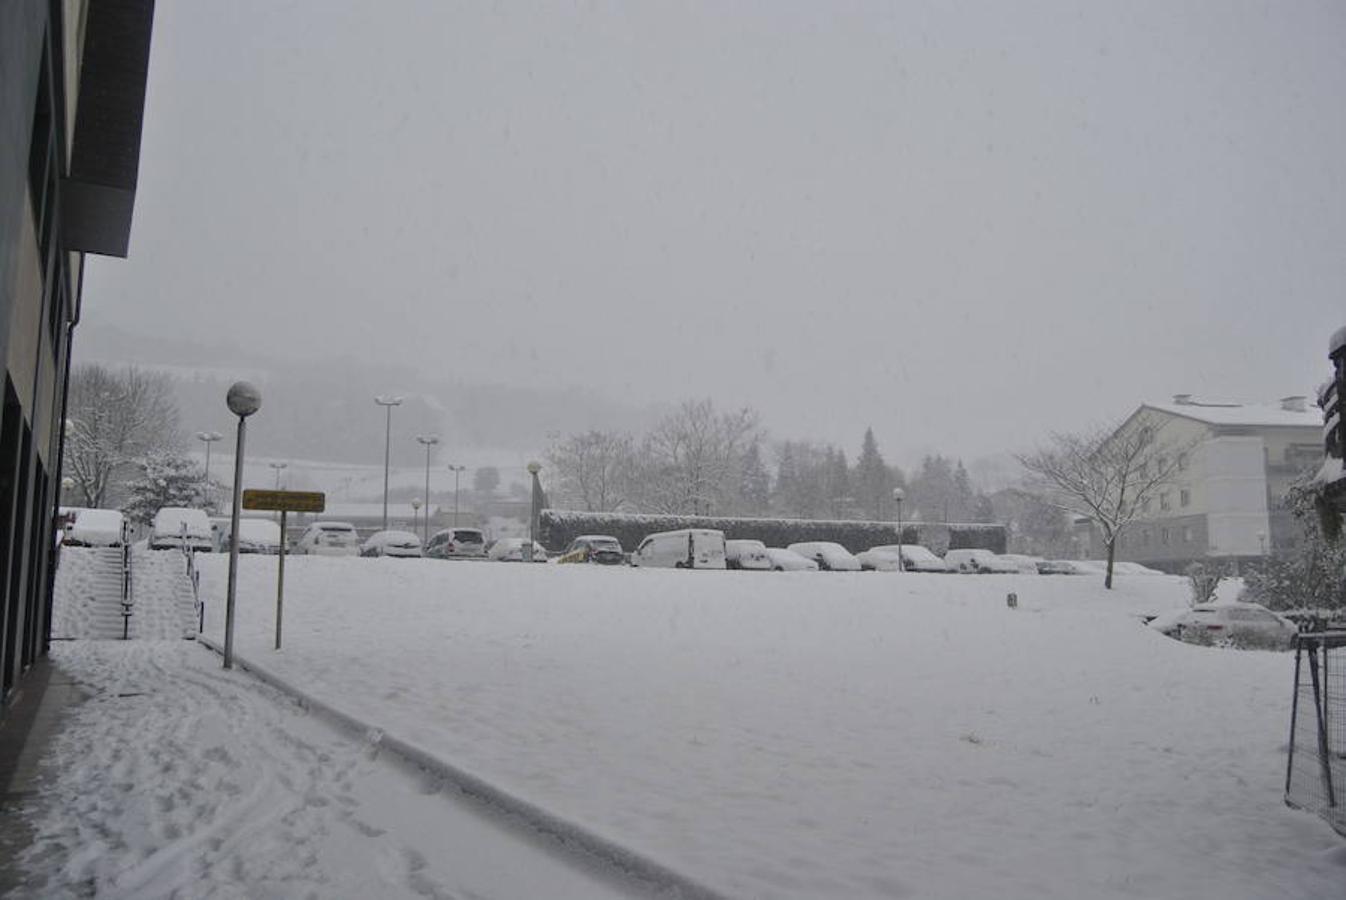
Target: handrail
{"points": [[194, 576], [127, 601]]}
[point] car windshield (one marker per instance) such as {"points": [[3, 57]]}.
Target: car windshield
{"points": [[979, 306]]}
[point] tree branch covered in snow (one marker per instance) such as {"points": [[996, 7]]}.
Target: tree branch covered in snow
{"points": [[1106, 475], [115, 419]]}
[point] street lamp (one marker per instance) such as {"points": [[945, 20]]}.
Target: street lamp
{"points": [[898, 496], [278, 466], [416, 513], [208, 438], [533, 469], [388, 403], [456, 470], [1262, 541], [429, 441], [243, 400]]}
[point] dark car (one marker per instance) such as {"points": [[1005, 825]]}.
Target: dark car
{"points": [[603, 549]]}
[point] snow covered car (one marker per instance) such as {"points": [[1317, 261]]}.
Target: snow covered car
{"points": [[1062, 567], [255, 536], [783, 560], [1028, 565], [829, 556], [392, 543], [1134, 568], [1236, 624], [879, 559], [456, 543], [980, 562], [685, 548], [95, 528], [511, 550], [603, 549], [178, 526], [328, 539], [744, 554]]}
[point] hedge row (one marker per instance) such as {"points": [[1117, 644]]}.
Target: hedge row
{"points": [[559, 527]]}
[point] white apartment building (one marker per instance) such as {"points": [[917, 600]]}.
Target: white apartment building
{"points": [[1234, 463]]}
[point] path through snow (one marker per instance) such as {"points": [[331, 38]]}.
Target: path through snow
{"points": [[179, 779]]}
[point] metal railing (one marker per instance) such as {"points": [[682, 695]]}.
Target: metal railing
{"points": [[127, 599], [194, 576], [1315, 771]]}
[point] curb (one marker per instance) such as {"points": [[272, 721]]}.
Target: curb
{"points": [[564, 835]]}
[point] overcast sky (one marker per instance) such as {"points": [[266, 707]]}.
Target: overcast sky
{"points": [[963, 224]]}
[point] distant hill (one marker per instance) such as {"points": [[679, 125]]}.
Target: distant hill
{"points": [[327, 411]]}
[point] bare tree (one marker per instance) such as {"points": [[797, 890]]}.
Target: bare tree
{"points": [[1106, 475], [691, 461], [593, 469], [115, 419]]}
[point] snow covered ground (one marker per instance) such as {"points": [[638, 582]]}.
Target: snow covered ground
{"points": [[824, 735], [178, 779]]}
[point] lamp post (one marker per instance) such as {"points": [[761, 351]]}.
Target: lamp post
{"points": [[208, 438], [416, 514], [1262, 542], [456, 470], [278, 467], [533, 469], [243, 400], [898, 496], [388, 403], [429, 440]]}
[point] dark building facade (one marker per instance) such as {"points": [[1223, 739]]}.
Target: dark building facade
{"points": [[72, 96]]}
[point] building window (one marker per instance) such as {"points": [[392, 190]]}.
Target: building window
{"points": [[1164, 503], [1184, 497], [1182, 462], [1187, 534], [1163, 536]]}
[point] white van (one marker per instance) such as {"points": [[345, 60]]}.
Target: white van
{"points": [[176, 526], [687, 548]]}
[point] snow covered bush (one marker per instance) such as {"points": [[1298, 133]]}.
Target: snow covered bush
{"points": [[1204, 579], [1312, 575], [167, 479]]}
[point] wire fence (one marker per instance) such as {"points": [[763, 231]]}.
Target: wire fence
{"points": [[1315, 777]]}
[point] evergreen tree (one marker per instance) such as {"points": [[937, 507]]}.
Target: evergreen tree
{"points": [[754, 482], [837, 482], [873, 481], [167, 478]]}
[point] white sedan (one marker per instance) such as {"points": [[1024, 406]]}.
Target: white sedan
{"points": [[391, 543], [830, 556], [1235, 624], [783, 560], [511, 550]]}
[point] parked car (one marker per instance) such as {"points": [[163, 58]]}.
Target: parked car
{"points": [[511, 550], [981, 562], [95, 528], [456, 543], [783, 560], [686, 548], [830, 557], [391, 543], [179, 526], [255, 536], [879, 559], [1237, 624], [602, 549], [329, 539], [1134, 568], [1028, 565], [744, 554], [1059, 567]]}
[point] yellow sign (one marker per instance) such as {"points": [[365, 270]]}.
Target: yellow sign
{"points": [[285, 501]]}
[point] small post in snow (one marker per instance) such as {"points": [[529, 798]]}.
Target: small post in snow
{"points": [[280, 577], [284, 502]]}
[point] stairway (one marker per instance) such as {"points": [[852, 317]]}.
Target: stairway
{"points": [[165, 605], [87, 596]]}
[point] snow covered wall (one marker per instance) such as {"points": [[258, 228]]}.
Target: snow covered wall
{"points": [[559, 527]]}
